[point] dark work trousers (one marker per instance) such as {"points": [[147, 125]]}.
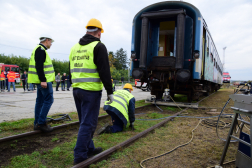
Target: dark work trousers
{"points": [[2, 82], [88, 106], [6, 84], [25, 84], [43, 104], [68, 84], [63, 85], [117, 122], [57, 86]]}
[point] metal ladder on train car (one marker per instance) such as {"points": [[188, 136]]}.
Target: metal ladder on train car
{"points": [[243, 106]]}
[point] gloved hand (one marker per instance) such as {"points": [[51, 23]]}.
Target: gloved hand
{"points": [[132, 126], [110, 98]]}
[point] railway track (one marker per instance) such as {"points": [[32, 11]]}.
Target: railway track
{"points": [[28, 142], [56, 128], [105, 154], [73, 128]]}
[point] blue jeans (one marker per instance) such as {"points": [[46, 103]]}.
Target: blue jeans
{"points": [[62, 85], [117, 122], [88, 106], [9, 85], [31, 87], [43, 104]]}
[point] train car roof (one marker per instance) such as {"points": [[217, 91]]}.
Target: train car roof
{"points": [[190, 9]]}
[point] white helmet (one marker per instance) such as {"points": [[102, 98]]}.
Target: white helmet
{"points": [[44, 37]]}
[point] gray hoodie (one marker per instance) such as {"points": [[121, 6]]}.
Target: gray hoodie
{"points": [[57, 78]]}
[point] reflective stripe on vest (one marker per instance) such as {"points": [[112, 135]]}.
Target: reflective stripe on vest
{"points": [[84, 72], [45, 72], [121, 102], [47, 67]]}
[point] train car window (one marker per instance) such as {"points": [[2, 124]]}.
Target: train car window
{"points": [[166, 38], [214, 61], [211, 57], [212, 48], [207, 43]]}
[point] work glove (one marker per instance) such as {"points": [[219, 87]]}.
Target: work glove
{"points": [[132, 126], [110, 98]]}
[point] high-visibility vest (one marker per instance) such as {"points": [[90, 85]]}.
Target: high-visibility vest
{"points": [[84, 72], [121, 102], [2, 77], [11, 77], [48, 68]]}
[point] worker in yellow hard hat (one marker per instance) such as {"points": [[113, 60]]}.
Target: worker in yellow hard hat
{"points": [[90, 71], [121, 110]]}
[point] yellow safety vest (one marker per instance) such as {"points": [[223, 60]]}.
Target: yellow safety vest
{"points": [[121, 102], [84, 72], [48, 68]]}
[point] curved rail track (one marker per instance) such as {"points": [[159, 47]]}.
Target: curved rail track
{"points": [[105, 154], [37, 132], [96, 158]]}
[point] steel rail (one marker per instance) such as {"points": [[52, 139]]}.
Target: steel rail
{"points": [[106, 153], [36, 132], [103, 155]]}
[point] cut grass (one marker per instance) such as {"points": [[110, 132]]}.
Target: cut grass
{"points": [[205, 149], [62, 155], [24, 125]]}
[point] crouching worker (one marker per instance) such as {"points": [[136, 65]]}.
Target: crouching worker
{"points": [[121, 110]]}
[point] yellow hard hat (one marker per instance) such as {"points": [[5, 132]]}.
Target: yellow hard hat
{"points": [[95, 23], [128, 86]]}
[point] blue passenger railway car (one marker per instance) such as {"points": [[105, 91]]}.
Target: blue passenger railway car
{"points": [[172, 48]]}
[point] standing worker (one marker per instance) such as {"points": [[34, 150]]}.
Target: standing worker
{"points": [[89, 67], [57, 79], [122, 79], [6, 81], [122, 110], [41, 72], [11, 80], [68, 83], [63, 79], [2, 81], [24, 80]]}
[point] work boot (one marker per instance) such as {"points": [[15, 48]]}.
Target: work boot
{"points": [[36, 127], [104, 129], [45, 128], [95, 152]]}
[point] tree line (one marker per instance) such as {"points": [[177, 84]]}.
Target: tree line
{"points": [[117, 61], [23, 63]]}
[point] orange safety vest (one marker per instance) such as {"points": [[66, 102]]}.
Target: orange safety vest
{"points": [[11, 77], [2, 77]]}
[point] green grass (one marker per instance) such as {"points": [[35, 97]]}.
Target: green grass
{"points": [[62, 155], [141, 103], [54, 139], [24, 125]]}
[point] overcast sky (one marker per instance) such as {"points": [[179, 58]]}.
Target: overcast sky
{"points": [[22, 22]]}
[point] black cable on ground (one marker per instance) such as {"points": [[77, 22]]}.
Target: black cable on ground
{"points": [[220, 116], [209, 122]]}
